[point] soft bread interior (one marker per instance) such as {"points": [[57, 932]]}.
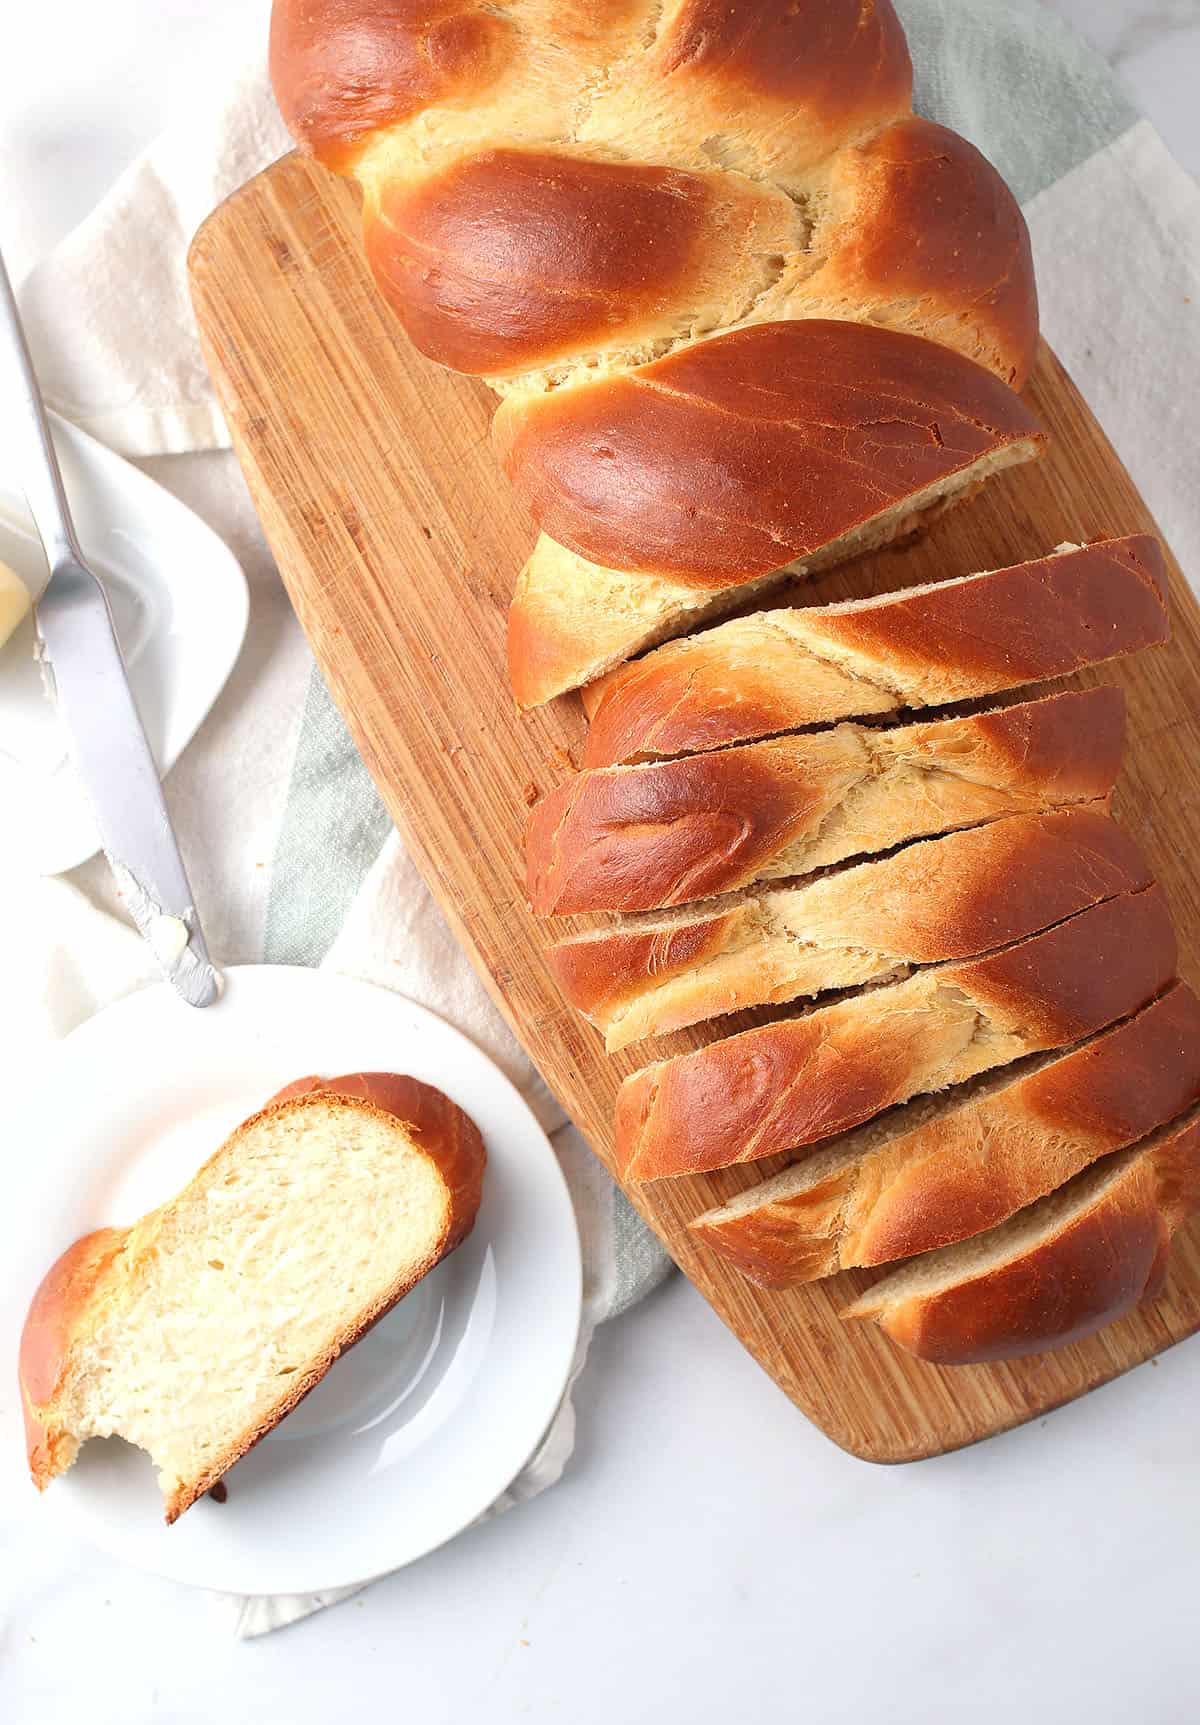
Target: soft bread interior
{"points": [[237, 1296], [907, 789]]}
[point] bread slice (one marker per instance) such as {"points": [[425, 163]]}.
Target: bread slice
{"points": [[940, 899], [669, 494], [647, 837], [1059, 1271], [194, 1331], [961, 640], [942, 1169], [800, 1079]]}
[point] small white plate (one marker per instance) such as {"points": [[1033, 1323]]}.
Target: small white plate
{"points": [[179, 603], [417, 1429]]}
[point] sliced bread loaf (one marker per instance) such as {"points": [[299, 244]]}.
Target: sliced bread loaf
{"points": [[942, 1169], [945, 898], [958, 640], [647, 837], [800, 1079]]}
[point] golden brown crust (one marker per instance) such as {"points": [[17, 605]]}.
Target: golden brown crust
{"points": [[941, 899], [511, 260], [639, 838], [922, 228], [342, 70], [1096, 1252], [1105, 1264], [1102, 1097], [732, 457], [782, 1242], [514, 259], [843, 63], [540, 657], [602, 971], [65, 1289], [968, 1168], [645, 837], [553, 192], [63, 1303], [961, 640], [774, 85], [1037, 620], [801, 1079]]}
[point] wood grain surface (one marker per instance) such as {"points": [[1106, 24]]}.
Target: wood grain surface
{"points": [[399, 542]]}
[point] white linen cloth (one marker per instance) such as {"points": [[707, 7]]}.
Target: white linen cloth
{"points": [[1116, 228]]}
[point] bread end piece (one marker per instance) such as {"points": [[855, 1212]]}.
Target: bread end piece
{"points": [[1056, 1273]]}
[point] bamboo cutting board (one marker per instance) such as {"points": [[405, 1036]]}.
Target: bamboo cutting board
{"points": [[399, 542]]}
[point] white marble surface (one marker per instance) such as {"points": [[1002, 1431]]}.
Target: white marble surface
{"points": [[709, 1557]]}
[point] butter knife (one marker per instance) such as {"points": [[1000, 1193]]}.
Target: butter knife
{"points": [[105, 739]]}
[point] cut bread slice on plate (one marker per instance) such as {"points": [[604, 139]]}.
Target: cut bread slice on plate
{"points": [[193, 1332], [1062, 1269]]}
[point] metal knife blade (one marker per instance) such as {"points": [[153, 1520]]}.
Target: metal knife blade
{"points": [[105, 738], [109, 751]]}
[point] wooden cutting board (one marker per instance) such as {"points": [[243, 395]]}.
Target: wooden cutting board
{"points": [[399, 541]]}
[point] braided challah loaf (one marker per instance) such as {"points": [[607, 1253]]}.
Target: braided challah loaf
{"points": [[574, 199], [796, 1080], [750, 317], [802, 1078]]}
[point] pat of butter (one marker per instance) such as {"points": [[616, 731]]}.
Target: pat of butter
{"points": [[14, 602], [168, 937]]}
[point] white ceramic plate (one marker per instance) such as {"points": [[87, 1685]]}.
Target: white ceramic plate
{"points": [[423, 1424], [179, 603]]}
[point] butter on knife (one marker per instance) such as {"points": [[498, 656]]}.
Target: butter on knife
{"points": [[14, 601]]}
